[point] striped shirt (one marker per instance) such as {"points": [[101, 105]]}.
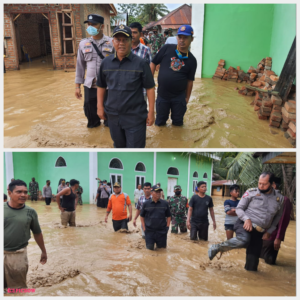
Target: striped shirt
{"points": [[143, 52], [228, 205], [142, 200]]}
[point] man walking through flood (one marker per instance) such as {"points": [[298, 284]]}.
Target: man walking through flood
{"points": [[156, 218], [178, 207], [118, 203], [175, 79], [271, 246], [19, 220], [68, 204], [259, 212], [47, 192], [79, 194], [91, 52], [33, 189], [137, 194], [197, 220], [125, 75]]}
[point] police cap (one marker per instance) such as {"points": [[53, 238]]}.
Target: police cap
{"points": [[95, 19]]}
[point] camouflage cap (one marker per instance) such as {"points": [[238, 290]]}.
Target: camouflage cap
{"points": [[155, 28], [170, 29], [177, 187], [117, 184]]}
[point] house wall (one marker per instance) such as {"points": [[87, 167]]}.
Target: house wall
{"points": [[215, 191]]}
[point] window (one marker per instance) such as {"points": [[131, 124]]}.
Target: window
{"points": [[205, 175], [115, 163], [116, 178], [173, 171], [139, 180], [195, 175], [140, 167], [194, 185], [60, 162], [218, 189], [66, 33]]}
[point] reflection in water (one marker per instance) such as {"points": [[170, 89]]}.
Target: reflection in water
{"points": [[40, 110], [117, 264]]}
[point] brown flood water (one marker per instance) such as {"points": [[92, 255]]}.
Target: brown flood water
{"points": [[118, 264], [40, 110]]}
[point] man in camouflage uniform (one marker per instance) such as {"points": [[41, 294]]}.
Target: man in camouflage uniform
{"points": [[79, 193], [170, 33], [178, 206], [33, 189], [156, 41]]}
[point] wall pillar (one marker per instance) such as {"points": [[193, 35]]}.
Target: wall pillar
{"points": [[9, 168], [154, 169], [93, 174]]}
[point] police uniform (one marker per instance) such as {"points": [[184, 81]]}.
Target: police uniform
{"points": [[264, 210], [90, 60], [178, 207]]}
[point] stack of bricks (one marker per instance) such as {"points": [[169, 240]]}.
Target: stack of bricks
{"points": [[289, 119], [220, 72]]}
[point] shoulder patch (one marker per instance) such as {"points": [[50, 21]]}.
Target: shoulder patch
{"points": [[252, 189], [245, 194]]}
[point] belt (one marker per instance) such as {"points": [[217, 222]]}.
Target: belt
{"points": [[258, 228]]}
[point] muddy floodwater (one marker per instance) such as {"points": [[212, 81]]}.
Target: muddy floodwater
{"points": [[40, 110], [92, 259]]}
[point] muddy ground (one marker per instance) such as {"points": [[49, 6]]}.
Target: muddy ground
{"points": [[93, 260], [40, 110]]}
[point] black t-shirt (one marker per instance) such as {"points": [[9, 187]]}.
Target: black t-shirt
{"points": [[68, 202], [200, 208], [174, 72]]}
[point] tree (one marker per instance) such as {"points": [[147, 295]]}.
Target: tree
{"points": [[152, 12], [132, 10]]}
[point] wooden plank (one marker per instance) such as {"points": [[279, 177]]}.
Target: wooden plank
{"points": [[261, 90], [16, 17], [51, 41]]}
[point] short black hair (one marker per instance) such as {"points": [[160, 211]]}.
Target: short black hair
{"points": [[277, 182], [5, 197], [166, 31], [67, 182], [108, 183], [136, 25], [73, 182], [15, 183], [271, 176], [234, 187], [47, 180], [200, 183], [147, 184]]}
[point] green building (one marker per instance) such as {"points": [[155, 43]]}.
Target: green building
{"points": [[128, 168]]}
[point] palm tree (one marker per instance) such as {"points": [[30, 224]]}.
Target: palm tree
{"points": [[152, 12]]}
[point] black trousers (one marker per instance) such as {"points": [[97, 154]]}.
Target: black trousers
{"points": [[33, 197], [199, 230], [120, 224], [134, 137], [268, 253], [48, 200], [90, 107], [156, 237]]}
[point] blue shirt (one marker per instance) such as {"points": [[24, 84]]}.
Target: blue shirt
{"points": [[228, 205]]}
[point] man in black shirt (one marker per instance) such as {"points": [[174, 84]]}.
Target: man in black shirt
{"points": [[153, 219], [125, 75], [175, 79], [198, 210]]}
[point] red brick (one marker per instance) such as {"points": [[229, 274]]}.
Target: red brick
{"points": [[274, 123], [292, 126], [287, 120], [257, 83], [267, 102], [276, 100], [291, 133], [256, 107], [289, 115], [261, 117], [276, 116], [290, 107]]}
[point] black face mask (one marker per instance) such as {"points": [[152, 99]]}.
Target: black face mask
{"points": [[178, 193], [265, 191]]}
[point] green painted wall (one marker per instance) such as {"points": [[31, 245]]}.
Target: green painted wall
{"points": [[77, 168], [283, 34], [238, 33], [129, 161], [28, 161]]}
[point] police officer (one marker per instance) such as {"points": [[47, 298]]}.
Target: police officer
{"points": [[259, 212], [91, 52], [33, 189], [178, 206], [156, 41]]}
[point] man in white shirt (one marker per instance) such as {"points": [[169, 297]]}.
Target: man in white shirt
{"points": [[137, 194]]}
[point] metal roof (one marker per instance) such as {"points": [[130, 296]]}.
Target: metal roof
{"points": [[223, 182], [276, 157]]}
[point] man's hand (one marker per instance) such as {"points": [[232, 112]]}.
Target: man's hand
{"points": [[43, 258], [266, 236], [277, 243], [144, 228], [106, 219], [62, 209], [248, 225], [150, 119], [78, 94], [233, 209], [214, 225], [187, 100], [134, 222], [188, 224], [101, 114], [129, 218]]}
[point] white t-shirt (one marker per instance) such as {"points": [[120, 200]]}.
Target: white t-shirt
{"points": [[137, 194]]}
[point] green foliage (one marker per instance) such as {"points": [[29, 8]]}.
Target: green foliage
{"points": [[152, 12]]}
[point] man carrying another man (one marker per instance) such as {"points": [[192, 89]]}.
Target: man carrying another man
{"points": [[125, 75], [175, 79]]}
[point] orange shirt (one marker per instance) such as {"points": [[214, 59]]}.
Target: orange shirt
{"points": [[142, 41], [117, 204]]}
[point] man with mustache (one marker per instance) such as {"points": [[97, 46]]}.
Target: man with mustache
{"points": [[175, 79], [259, 212]]}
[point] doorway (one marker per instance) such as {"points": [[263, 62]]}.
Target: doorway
{"points": [[171, 184], [139, 180]]}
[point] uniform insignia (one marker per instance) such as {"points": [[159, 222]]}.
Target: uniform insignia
{"points": [[277, 199], [88, 50], [107, 43], [107, 54], [88, 44], [107, 49], [121, 27], [245, 194], [257, 195], [182, 28], [176, 64], [90, 17]]}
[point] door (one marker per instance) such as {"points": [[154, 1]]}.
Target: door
{"points": [[139, 180], [171, 184]]}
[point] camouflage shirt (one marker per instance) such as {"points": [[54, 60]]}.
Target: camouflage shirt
{"points": [[33, 187], [178, 205], [156, 42], [79, 191]]}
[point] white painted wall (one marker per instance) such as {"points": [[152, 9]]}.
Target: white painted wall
{"points": [[197, 44]]}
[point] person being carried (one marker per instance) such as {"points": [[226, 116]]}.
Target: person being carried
{"points": [[197, 220], [19, 220], [229, 207], [117, 204], [68, 204]]}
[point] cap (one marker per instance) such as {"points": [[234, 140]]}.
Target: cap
{"points": [[158, 183], [63, 181], [156, 188], [155, 28], [170, 29], [177, 187], [185, 30], [122, 29], [117, 184], [151, 32], [104, 180], [95, 19]]}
